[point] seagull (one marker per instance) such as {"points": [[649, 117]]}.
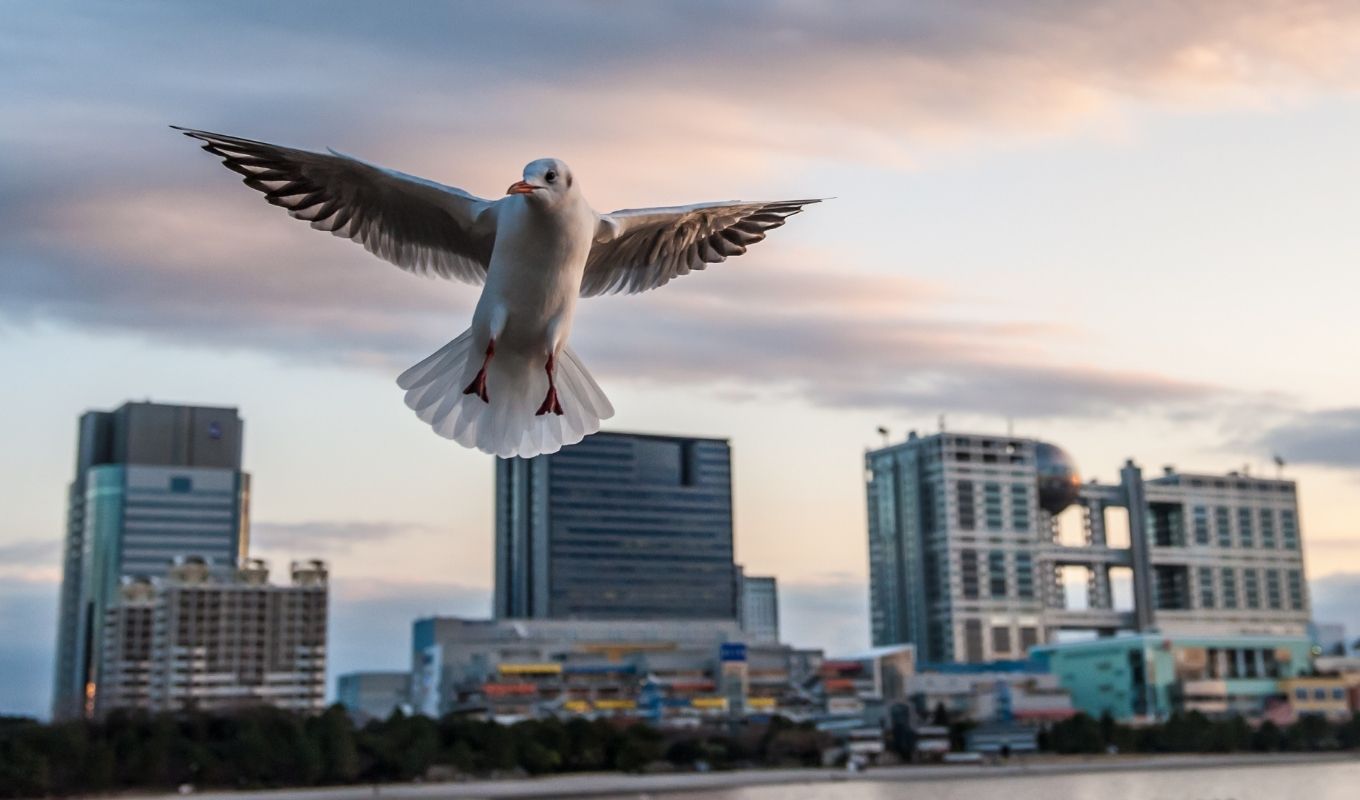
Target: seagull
{"points": [[535, 251]]}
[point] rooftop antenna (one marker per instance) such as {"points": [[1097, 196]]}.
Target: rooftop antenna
{"points": [[942, 423], [1279, 467], [882, 431]]}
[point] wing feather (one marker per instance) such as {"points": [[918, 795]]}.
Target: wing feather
{"points": [[419, 225], [640, 249]]}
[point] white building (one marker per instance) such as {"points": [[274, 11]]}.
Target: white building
{"points": [[194, 639], [967, 556]]}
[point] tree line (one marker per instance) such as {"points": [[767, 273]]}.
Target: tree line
{"points": [[1193, 732], [266, 747]]}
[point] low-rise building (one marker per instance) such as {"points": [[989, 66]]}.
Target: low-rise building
{"points": [[195, 639], [652, 669], [1323, 695], [1151, 676]]}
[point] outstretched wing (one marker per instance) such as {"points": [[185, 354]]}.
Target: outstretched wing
{"points": [[419, 225], [644, 248]]}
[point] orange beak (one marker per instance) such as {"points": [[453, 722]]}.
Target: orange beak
{"points": [[521, 187]]}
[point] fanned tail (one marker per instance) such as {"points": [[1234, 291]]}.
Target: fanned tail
{"points": [[507, 426]]}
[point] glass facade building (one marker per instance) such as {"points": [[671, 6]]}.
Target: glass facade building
{"points": [[152, 482], [620, 526]]}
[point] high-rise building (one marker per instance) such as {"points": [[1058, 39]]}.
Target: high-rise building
{"points": [[966, 560], [152, 482], [620, 526], [198, 638], [758, 606]]}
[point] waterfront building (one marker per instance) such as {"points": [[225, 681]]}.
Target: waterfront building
{"points": [[1151, 676], [1003, 692], [661, 670], [373, 695], [758, 606], [196, 639], [967, 560], [151, 482], [621, 526]]}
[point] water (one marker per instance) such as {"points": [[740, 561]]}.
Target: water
{"points": [[1318, 781]]}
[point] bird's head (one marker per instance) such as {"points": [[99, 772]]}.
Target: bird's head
{"points": [[546, 181]]}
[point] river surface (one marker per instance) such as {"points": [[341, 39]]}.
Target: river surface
{"points": [[1321, 781]]}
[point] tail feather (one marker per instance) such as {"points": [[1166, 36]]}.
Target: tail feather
{"points": [[507, 426]]}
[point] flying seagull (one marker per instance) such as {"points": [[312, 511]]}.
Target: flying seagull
{"points": [[509, 385]]}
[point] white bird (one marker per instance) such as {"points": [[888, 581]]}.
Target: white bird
{"points": [[536, 250]]}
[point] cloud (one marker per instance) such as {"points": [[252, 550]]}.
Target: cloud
{"points": [[110, 223], [31, 553], [1329, 438], [326, 537], [165, 264]]}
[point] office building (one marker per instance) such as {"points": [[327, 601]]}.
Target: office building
{"points": [[758, 606], [151, 482], [967, 560], [662, 670], [620, 526], [373, 695], [195, 638]]}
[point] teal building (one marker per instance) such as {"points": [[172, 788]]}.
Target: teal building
{"points": [[152, 482], [1151, 676]]}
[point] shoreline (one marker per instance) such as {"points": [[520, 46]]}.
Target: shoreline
{"points": [[597, 784]]}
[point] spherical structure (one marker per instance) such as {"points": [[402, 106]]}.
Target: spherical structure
{"points": [[1059, 481]]}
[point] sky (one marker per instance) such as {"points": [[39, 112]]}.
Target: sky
{"points": [[1125, 226]]}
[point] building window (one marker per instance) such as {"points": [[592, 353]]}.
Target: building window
{"points": [[1029, 637], [968, 573], [1268, 528], [996, 573], [967, 511], [1319, 694], [1273, 598], [1206, 587], [1229, 578], [181, 484], [1289, 529], [1251, 583], [991, 500], [1223, 526], [1020, 507], [1024, 576], [1201, 525], [1300, 694], [972, 640], [1295, 590], [1001, 640], [1338, 694], [1245, 536]]}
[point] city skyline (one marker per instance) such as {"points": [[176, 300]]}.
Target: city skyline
{"points": [[1137, 245]]}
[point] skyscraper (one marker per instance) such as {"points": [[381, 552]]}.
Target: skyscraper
{"points": [[620, 526], [966, 561], [152, 482]]}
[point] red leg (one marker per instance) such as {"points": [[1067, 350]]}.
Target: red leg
{"points": [[550, 401], [478, 385]]}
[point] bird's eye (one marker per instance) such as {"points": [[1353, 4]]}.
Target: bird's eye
{"points": [[550, 175]]}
